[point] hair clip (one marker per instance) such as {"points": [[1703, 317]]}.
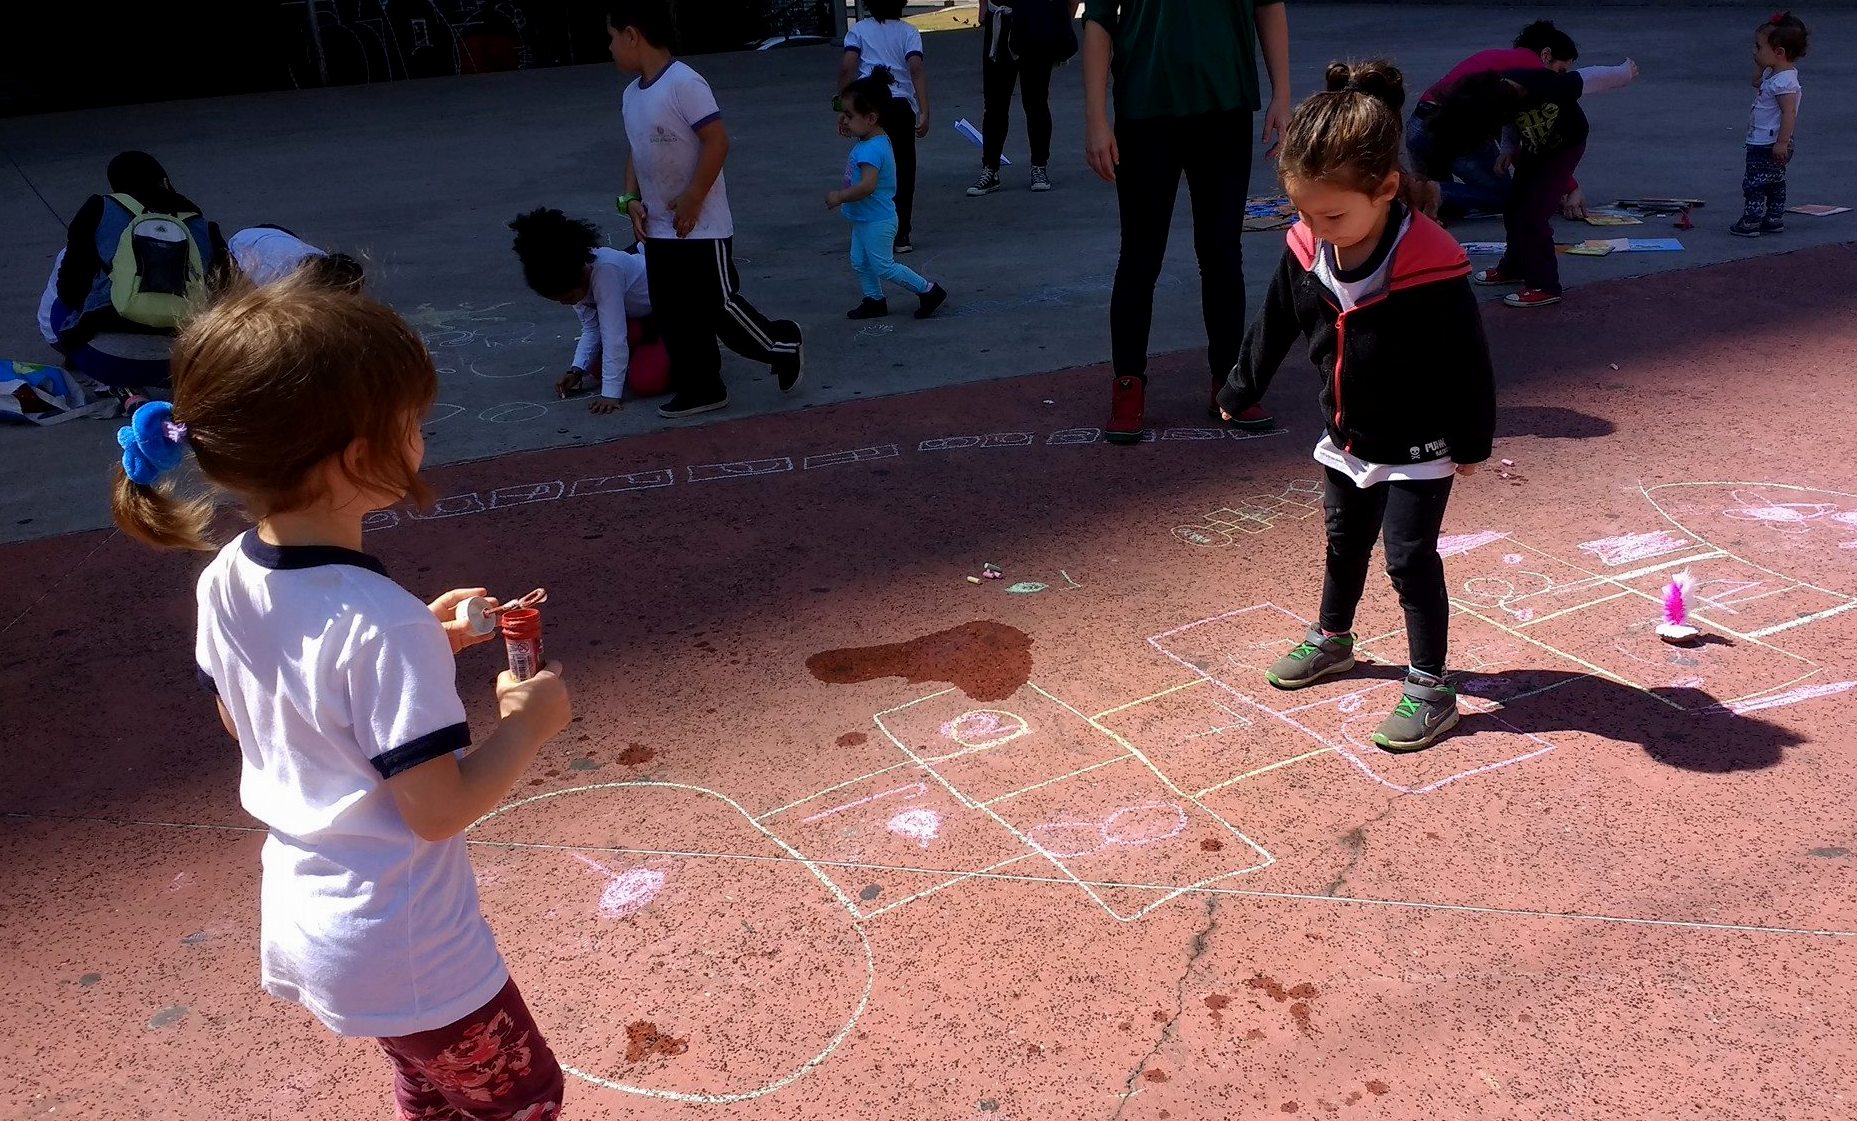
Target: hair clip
{"points": [[152, 443], [1779, 18]]}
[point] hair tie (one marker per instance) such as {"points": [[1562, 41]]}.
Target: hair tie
{"points": [[1352, 86], [152, 443], [1779, 18]]}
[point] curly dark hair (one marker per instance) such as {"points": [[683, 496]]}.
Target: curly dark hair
{"points": [[555, 250]]}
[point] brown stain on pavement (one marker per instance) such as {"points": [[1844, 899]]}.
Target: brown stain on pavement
{"points": [[1154, 1075], [637, 755], [642, 1040], [988, 661], [852, 739]]}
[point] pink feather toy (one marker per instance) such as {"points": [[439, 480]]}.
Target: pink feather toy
{"points": [[1676, 625]]}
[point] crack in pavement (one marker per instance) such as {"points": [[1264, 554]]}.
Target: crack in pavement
{"points": [[1356, 840], [1202, 941]]}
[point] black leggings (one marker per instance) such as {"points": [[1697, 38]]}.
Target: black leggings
{"points": [[899, 124], [996, 78], [1411, 514]]}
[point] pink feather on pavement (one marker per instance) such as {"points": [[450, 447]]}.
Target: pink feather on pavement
{"points": [[1676, 600]]}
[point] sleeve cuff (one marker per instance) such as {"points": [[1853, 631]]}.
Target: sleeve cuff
{"points": [[912, 54], [699, 126], [422, 750], [206, 680]]}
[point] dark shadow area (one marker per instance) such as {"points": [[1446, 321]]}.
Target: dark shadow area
{"points": [[1553, 422]]}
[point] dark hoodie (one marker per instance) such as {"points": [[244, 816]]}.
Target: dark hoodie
{"points": [[1405, 374]]}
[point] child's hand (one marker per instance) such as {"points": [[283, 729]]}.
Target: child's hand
{"points": [[1505, 160], [600, 406], [1634, 69], [640, 214], [1573, 204], [922, 125], [1466, 469], [539, 705], [1100, 150], [832, 200], [1782, 152], [570, 382], [1223, 415], [445, 609], [684, 213]]}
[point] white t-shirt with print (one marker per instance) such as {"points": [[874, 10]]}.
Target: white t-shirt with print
{"points": [[617, 294], [336, 679], [1764, 125], [267, 254], [661, 123], [1349, 294], [891, 43]]}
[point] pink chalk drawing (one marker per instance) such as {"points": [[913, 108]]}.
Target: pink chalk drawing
{"points": [[1458, 544], [1130, 826], [907, 790], [920, 826], [628, 892], [985, 727], [1633, 547], [1786, 517]]}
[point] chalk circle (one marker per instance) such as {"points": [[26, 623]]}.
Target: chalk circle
{"points": [[544, 940], [985, 727], [442, 410], [1144, 824], [512, 412], [1196, 535], [1027, 587], [1493, 589]]}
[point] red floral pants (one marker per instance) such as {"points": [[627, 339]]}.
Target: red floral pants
{"points": [[493, 1065]]}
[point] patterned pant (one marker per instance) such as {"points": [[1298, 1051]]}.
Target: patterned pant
{"points": [[1764, 185], [493, 1065]]}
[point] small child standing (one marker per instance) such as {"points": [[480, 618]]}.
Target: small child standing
{"points": [[304, 401], [1408, 399], [889, 41], [678, 200], [867, 198], [1779, 44]]}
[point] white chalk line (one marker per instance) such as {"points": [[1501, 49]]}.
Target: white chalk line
{"points": [[53, 586], [1804, 619], [1235, 779]]}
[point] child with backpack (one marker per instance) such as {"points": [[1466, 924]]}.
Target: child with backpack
{"points": [[1381, 299], [866, 198], [678, 200], [133, 260], [304, 401]]}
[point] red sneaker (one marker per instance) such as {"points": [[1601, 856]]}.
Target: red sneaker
{"points": [[1531, 297], [1252, 419], [1127, 402], [1494, 278]]}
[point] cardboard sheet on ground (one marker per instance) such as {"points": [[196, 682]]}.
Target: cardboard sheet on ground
{"points": [[1817, 210]]}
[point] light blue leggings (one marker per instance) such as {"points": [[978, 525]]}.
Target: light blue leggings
{"points": [[873, 255]]}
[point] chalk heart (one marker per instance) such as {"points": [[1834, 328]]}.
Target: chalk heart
{"points": [[918, 825]]}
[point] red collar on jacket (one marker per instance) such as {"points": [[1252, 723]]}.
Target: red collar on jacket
{"points": [[1426, 255]]}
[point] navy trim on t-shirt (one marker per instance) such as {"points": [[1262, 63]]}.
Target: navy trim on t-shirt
{"points": [[206, 680], [422, 750], [697, 126], [912, 54], [287, 557]]}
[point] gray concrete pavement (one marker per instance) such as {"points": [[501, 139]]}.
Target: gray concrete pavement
{"points": [[422, 176]]}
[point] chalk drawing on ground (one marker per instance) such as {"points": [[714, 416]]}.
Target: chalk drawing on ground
{"points": [[1301, 499]]}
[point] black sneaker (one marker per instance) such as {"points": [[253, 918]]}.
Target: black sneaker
{"points": [[1426, 711], [1041, 178], [1315, 657], [690, 404], [932, 299], [869, 309], [1773, 226], [985, 185], [790, 367], [902, 247], [1746, 227]]}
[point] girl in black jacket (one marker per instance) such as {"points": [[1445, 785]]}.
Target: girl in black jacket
{"points": [[1382, 298]]}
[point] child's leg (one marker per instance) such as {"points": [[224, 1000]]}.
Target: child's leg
{"points": [[1755, 182], [1529, 219], [687, 303], [1776, 195], [870, 281], [1414, 515], [997, 77], [493, 1065], [1146, 183], [882, 257], [742, 328], [899, 124], [1352, 516], [1217, 161]]}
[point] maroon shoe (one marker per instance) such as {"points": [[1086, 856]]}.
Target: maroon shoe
{"points": [[1252, 419], [1127, 403]]}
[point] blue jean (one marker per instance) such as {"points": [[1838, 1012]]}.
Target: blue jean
{"points": [[873, 257], [1468, 182]]}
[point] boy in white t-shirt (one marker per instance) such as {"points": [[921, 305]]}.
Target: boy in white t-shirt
{"points": [[678, 201], [1779, 44], [887, 41], [267, 254]]}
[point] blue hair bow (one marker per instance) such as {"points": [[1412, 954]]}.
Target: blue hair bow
{"points": [[152, 443]]}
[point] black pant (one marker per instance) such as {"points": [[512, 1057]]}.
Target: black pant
{"points": [[696, 298], [1411, 514], [1213, 150], [899, 124], [996, 79], [1763, 187], [1540, 183]]}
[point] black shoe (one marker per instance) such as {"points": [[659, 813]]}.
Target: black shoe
{"points": [[690, 404], [1746, 227], [1773, 226], [869, 309], [790, 367], [932, 299], [903, 246]]}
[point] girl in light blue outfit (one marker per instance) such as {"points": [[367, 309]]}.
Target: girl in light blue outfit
{"points": [[868, 199]]}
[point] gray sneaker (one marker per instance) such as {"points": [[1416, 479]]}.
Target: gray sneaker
{"points": [[1041, 178], [1426, 711], [1314, 658], [986, 184]]}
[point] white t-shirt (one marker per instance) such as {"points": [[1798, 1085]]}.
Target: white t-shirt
{"points": [[336, 679], [47, 329], [661, 122], [1349, 294], [267, 254], [1764, 125], [891, 43], [618, 293]]}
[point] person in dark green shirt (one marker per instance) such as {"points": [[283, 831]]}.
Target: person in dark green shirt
{"points": [[1186, 88]]}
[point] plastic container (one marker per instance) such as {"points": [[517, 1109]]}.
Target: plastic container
{"points": [[522, 634]]}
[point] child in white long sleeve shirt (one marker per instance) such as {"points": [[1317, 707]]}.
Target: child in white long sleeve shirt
{"points": [[563, 260]]}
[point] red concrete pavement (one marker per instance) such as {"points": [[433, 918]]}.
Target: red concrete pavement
{"points": [[837, 833]]}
